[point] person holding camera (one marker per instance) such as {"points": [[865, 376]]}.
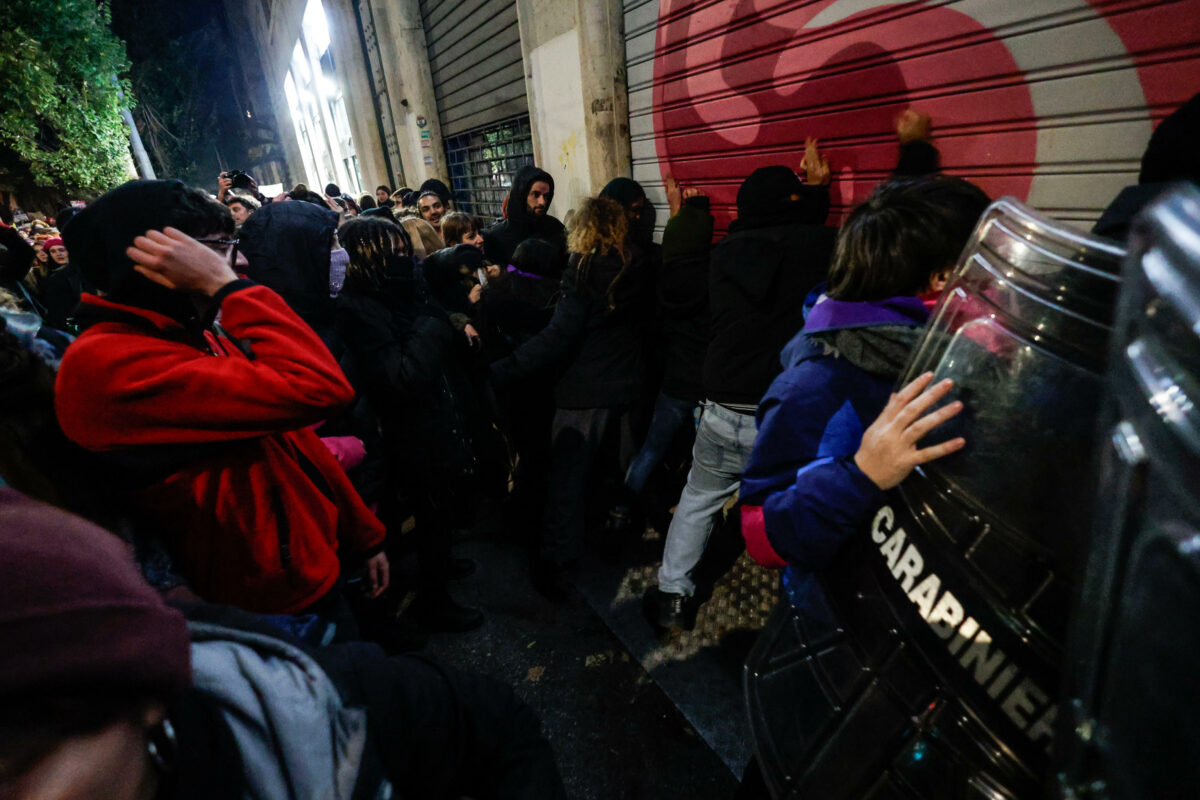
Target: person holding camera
{"points": [[236, 181]]}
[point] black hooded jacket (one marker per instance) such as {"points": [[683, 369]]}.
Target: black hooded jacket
{"points": [[502, 238], [776, 251], [595, 333], [287, 246], [683, 298], [400, 347]]}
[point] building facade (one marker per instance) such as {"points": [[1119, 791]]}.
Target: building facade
{"points": [[1050, 102]]}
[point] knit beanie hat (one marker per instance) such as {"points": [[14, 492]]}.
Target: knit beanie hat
{"points": [[54, 242], [438, 188], [76, 614]]}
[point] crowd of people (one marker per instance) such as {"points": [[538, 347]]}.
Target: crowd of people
{"points": [[274, 403]]}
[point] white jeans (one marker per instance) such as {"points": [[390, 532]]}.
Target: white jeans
{"points": [[724, 441]]}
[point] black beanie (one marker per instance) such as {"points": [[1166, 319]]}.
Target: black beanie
{"points": [[75, 614], [766, 192], [438, 188]]}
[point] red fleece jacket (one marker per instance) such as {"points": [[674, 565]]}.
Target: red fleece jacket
{"points": [[254, 502]]}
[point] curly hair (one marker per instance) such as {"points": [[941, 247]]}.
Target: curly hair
{"points": [[599, 229]]}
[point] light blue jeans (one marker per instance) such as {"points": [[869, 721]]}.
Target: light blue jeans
{"points": [[724, 441]]}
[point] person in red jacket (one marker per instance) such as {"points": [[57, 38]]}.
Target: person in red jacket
{"points": [[206, 424]]}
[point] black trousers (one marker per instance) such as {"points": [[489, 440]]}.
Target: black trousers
{"points": [[576, 436], [437, 732]]}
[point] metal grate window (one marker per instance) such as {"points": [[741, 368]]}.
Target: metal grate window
{"points": [[483, 162]]}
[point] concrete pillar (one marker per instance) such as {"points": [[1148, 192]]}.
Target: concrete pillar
{"points": [[574, 54], [356, 90], [410, 88]]}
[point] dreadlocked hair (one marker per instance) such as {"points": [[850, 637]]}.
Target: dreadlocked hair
{"points": [[598, 229], [370, 243]]}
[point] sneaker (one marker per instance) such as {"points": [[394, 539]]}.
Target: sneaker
{"points": [[667, 611]]}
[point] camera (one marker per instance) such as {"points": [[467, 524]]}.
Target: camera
{"points": [[239, 179]]}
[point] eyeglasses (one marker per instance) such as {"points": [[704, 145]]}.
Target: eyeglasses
{"points": [[222, 246]]}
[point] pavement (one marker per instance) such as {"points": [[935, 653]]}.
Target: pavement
{"points": [[629, 714]]}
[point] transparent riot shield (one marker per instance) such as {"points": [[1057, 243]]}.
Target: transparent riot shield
{"points": [[934, 669], [1132, 722]]}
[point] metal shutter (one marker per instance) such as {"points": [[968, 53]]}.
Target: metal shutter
{"points": [[475, 57], [1051, 102]]}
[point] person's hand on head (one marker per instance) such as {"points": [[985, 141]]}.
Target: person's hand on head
{"points": [[889, 452], [815, 166], [493, 271], [224, 184], [691, 192], [175, 260], [912, 125]]}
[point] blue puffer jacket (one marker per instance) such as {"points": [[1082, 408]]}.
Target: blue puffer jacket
{"points": [[803, 496]]}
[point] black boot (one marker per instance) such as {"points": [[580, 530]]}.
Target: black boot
{"points": [[435, 611], [378, 622], [461, 568], [551, 579]]}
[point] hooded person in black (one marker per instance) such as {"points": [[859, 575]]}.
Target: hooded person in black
{"points": [[777, 250], [527, 217], [401, 355], [1172, 155], [287, 248]]}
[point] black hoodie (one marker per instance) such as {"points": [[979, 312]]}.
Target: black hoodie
{"points": [[776, 251], [287, 248], [500, 240]]}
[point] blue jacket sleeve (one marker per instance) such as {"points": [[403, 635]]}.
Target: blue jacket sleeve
{"points": [[829, 501], [792, 420]]}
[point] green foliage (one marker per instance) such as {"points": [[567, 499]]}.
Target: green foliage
{"points": [[61, 111]]}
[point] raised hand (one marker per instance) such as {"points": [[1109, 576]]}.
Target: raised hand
{"points": [[674, 195], [889, 452], [912, 125], [175, 260], [815, 166]]}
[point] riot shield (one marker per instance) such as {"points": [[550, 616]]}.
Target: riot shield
{"points": [[1132, 722], [932, 667]]}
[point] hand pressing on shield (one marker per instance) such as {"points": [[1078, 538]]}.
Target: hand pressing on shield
{"points": [[889, 451], [175, 260]]}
